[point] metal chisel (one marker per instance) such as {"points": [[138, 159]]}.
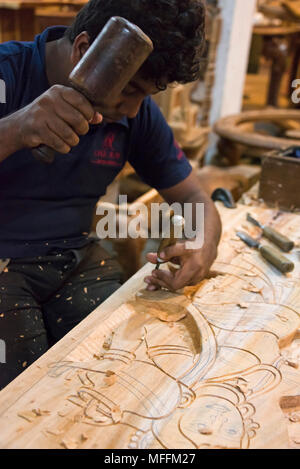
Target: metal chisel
{"points": [[277, 238], [269, 253]]}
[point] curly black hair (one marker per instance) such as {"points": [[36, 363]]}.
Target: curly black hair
{"points": [[176, 28]]}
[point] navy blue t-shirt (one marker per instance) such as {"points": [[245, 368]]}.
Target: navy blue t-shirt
{"points": [[51, 206]]}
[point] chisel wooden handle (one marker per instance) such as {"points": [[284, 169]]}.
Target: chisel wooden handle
{"points": [[277, 259], [279, 239], [106, 68], [175, 221]]}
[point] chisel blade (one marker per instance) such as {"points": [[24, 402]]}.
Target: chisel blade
{"points": [[253, 221], [251, 242]]}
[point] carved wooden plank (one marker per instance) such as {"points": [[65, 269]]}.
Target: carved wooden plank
{"points": [[214, 379]]}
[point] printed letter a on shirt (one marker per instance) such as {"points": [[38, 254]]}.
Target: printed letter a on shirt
{"points": [[2, 92]]}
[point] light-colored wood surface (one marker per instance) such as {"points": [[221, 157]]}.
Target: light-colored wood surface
{"points": [[125, 379]]}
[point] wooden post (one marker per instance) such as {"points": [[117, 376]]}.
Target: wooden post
{"points": [[232, 59]]}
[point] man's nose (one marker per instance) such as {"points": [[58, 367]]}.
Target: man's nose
{"points": [[130, 106]]}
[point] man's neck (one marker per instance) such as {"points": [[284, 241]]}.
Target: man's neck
{"points": [[58, 66]]}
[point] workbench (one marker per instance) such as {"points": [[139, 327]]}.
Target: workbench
{"points": [[132, 375]]}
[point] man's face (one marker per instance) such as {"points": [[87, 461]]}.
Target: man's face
{"points": [[129, 101]]}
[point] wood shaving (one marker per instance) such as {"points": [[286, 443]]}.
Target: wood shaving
{"points": [[63, 413], [292, 364], [294, 417], [107, 343], [290, 402], [253, 289], [215, 273], [39, 412], [27, 415], [54, 432], [69, 443], [77, 418], [190, 292], [205, 431], [116, 414], [110, 378], [239, 250]]}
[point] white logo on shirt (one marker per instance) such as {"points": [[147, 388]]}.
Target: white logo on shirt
{"points": [[2, 92], [2, 351]]}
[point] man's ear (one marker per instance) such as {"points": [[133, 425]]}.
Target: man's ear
{"points": [[79, 47]]}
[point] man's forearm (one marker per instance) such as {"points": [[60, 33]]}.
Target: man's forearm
{"points": [[9, 136], [212, 222]]}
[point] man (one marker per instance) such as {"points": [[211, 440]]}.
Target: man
{"points": [[57, 275]]}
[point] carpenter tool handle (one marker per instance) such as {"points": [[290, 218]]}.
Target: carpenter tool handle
{"points": [[279, 239], [165, 243], [275, 258], [175, 220], [102, 73], [44, 154]]}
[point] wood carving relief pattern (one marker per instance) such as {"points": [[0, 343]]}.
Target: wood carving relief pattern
{"points": [[214, 379]]}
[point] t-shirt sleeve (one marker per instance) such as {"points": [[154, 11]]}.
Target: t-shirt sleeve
{"points": [[155, 155]]}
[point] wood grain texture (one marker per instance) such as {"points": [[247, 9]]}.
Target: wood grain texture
{"points": [[214, 379]]}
